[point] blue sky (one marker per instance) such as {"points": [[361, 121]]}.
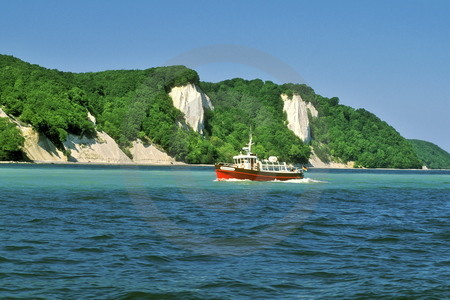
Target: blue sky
{"points": [[389, 57]]}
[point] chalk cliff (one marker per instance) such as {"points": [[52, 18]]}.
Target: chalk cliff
{"points": [[298, 121], [3, 114], [149, 154], [37, 147], [315, 161], [99, 149], [297, 115], [192, 102], [102, 149]]}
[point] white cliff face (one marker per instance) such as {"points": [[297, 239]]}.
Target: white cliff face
{"points": [[316, 162], [297, 115], [149, 154], [37, 147], [102, 149], [3, 114], [192, 102]]}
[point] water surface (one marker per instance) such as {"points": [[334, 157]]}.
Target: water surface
{"points": [[70, 231]]}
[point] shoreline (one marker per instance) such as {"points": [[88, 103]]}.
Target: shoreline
{"points": [[182, 164], [169, 164]]}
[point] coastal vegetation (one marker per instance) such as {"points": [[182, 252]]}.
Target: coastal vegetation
{"points": [[431, 155], [47, 99], [134, 104], [10, 141], [254, 107], [340, 133]]}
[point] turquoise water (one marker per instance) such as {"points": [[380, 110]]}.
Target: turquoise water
{"points": [[174, 232]]}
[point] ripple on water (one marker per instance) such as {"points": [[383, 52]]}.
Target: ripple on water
{"points": [[89, 250], [18, 247], [87, 234]]}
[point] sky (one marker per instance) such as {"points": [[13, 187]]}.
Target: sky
{"points": [[390, 57]]}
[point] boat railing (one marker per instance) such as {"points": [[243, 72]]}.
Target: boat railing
{"points": [[274, 166]]}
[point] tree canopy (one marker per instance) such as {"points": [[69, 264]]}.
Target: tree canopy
{"points": [[134, 104], [10, 141], [243, 107], [344, 134], [431, 155]]}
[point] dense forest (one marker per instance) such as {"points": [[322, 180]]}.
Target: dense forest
{"points": [[243, 107], [127, 104], [134, 104], [432, 156]]}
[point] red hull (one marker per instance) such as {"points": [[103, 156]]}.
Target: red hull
{"points": [[255, 175]]}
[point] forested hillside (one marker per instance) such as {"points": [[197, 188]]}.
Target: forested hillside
{"points": [[254, 106], [342, 133], [432, 156], [134, 104], [127, 104], [46, 99]]}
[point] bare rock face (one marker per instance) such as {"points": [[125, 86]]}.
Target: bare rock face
{"points": [[149, 154], [102, 149], [192, 102], [3, 114], [38, 147], [99, 149], [297, 115], [316, 162]]}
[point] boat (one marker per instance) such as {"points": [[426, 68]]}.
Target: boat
{"points": [[247, 166]]}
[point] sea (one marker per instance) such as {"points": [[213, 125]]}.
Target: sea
{"points": [[175, 232]]}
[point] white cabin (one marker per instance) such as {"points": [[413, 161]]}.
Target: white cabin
{"points": [[250, 161]]}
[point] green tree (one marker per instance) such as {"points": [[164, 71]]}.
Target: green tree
{"points": [[11, 141]]}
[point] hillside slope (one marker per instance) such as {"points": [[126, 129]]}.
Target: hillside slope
{"points": [[432, 156], [161, 109]]}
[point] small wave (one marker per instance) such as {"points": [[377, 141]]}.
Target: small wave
{"points": [[4, 259], [304, 180], [16, 248], [323, 274], [234, 283], [157, 258], [234, 180], [47, 260], [308, 253], [283, 286], [384, 239], [46, 220], [87, 249], [36, 221], [153, 295], [102, 237]]}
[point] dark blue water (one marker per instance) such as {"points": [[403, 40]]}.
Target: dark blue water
{"points": [[76, 232]]}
